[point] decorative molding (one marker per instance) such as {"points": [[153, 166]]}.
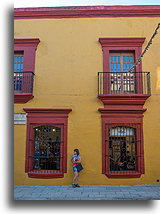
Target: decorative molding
{"points": [[123, 99], [87, 12], [41, 116], [47, 110], [123, 176], [28, 41], [28, 46], [22, 98], [122, 42], [43, 175]]}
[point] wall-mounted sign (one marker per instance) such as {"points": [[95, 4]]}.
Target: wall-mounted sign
{"points": [[19, 118]]}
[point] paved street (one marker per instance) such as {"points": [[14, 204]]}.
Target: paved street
{"points": [[88, 192]]}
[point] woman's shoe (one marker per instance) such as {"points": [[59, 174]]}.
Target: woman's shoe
{"points": [[73, 186], [77, 185]]}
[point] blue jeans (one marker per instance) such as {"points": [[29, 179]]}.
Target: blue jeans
{"points": [[75, 169]]}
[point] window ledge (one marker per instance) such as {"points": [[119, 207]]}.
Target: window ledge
{"points": [[45, 174], [123, 174], [125, 99], [22, 98]]}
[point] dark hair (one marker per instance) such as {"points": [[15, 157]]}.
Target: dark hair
{"points": [[77, 151]]}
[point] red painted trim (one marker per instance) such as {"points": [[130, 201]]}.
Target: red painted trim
{"points": [[125, 118], [45, 175], [125, 175], [40, 116], [22, 98], [49, 110], [28, 46], [135, 101], [87, 12], [121, 44], [29, 41]]}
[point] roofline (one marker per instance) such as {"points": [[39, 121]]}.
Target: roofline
{"points": [[87, 12]]}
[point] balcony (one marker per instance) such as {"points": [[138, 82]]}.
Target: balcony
{"points": [[23, 86], [124, 83], [123, 87]]}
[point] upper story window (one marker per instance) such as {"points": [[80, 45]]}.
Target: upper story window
{"points": [[18, 61], [18, 71], [24, 66], [119, 55], [120, 81], [120, 61]]}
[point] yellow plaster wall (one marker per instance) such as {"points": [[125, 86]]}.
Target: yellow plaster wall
{"points": [[68, 59]]}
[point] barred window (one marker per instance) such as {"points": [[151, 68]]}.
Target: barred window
{"points": [[122, 148], [47, 151], [46, 143]]}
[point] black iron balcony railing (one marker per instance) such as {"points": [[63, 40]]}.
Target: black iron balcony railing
{"points": [[23, 82], [124, 83]]}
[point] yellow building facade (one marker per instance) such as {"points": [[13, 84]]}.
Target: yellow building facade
{"points": [[63, 49]]}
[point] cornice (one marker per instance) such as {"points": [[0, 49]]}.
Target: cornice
{"points": [[87, 12], [28, 41], [47, 110], [122, 42]]}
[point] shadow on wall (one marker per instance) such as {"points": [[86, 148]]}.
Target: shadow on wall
{"points": [[158, 81]]}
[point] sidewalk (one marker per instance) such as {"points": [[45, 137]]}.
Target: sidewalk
{"points": [[88, 192]]}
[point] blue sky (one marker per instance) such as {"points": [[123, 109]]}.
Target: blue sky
{"points": [[56, 3]]}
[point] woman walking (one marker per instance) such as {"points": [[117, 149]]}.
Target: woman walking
{"points": [[77, 167]]}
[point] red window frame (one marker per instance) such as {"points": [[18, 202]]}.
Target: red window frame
{"points": [[46, 116], [132, 44], [134, 117], [28, 47]]}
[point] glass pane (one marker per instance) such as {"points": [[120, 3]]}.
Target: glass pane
{"points": [[18, 62]]}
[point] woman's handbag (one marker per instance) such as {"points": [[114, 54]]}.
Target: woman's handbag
{"points": [[79, 167]]}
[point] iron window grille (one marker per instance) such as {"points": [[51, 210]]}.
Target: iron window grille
{"points": [[124, 150], [23, 82], [46, 148]]}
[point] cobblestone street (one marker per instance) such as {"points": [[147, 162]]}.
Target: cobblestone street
{"points": [[88, 192]]}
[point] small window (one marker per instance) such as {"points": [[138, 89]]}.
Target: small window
{"points": [[18, 61], [18, 68]]}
